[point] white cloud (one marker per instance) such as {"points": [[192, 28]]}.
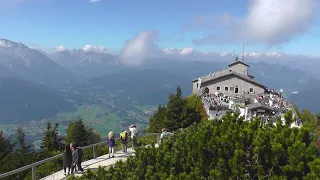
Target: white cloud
{"points": [[187, 51], [223, 54], [93, 1], [61, 48], [267, 21], [169, 51], [92, 48], [183, 52], [139, 48], [275, 21]]}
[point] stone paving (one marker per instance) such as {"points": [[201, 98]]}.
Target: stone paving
{"points": [[93, 164]]}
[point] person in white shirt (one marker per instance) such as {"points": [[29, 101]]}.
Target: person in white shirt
{"points": [[134, 129], [164, 134]]}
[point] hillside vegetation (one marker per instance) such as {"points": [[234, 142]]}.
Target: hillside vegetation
{"points": [[229, 148]]}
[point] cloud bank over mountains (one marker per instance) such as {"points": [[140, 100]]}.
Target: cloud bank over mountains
{"points": [[143, 47]]}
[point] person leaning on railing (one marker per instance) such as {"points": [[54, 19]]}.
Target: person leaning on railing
{"points": [[164, 134]]}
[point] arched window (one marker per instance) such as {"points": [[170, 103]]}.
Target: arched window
{"points": [[236, 89], [206, 90]]}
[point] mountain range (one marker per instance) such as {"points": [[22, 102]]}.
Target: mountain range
{"points": [[47, 82], [86, 63], [33, 65]]}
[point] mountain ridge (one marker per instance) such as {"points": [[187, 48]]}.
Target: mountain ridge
{"points": [[34, 66]]}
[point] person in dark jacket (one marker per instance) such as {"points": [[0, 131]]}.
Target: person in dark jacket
{"points": [[79, 160], [111, 144], [124, 140], [74, 157], [67, 159]]}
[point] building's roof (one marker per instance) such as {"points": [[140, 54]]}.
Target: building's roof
{"points": [[251, 76], [258, 105], [237, 62], [226, 72]]}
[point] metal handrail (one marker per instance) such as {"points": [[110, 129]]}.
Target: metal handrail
{"points": [[34, 165]]}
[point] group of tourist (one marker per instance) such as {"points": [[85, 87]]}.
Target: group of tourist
{"points": [[72, 158], [72, 155]]}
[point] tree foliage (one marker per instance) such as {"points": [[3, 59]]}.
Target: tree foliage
{"points": [[5, 146], [77, 132], [178, 113], [22, 144], [229, 148], [51, 140]]}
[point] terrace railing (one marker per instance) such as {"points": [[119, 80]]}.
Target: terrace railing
{"points": [[33, 166]]}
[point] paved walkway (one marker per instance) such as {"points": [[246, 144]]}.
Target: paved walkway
{"points": [[93, 164]]}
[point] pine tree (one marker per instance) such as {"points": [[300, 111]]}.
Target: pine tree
{"points": [[22, 144], [78, 133], [5, 146], [157, 120], [193, 111], [174, 110], [51, 140]]}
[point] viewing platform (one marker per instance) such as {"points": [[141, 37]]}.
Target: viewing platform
{"points": [[94, 164]]}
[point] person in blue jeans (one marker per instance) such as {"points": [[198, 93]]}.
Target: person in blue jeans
{"points": [[111, 144]]}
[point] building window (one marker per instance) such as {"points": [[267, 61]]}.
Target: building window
{"points": [[236, 90], [231, 88], [218, 88], [206, 90], [226, 88], [251, 90], [197, 85]]}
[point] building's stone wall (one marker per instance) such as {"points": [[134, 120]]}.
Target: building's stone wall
{"points": [[239, 68], [231, 82], [194, 87]]}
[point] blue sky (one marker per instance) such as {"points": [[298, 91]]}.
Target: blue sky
{"points": [[75, 23]]}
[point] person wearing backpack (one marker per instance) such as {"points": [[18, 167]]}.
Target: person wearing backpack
{"points": [[111, 144], [124, 140]]}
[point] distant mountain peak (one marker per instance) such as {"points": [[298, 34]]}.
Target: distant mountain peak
{"points": [[7, 43]]}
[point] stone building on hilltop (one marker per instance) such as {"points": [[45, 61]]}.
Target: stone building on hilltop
{"points": [[230, 81], [234, 89]]}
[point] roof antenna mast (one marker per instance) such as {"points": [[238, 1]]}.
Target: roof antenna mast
{"points": [[242, 52]]}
